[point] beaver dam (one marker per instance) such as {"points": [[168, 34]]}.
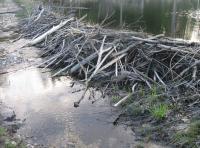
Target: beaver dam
{"points": [[154, 80]]}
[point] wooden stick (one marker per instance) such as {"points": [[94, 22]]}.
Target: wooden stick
{"points": [[52, 30], [83, 62], [126, 97]]}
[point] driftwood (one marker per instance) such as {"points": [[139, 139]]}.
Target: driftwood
{"points": [[103, 56]]}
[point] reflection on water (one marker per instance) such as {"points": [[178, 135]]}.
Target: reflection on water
{"points": [[153, 16], [47, 106]]}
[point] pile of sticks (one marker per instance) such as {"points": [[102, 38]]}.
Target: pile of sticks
{"points": [[109, 56]]}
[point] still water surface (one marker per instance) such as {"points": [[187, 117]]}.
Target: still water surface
{"points": [[175, 18], [46, 104]]}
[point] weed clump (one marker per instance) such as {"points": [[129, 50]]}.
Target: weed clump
{"points": [[190, 137], [159, 112]]}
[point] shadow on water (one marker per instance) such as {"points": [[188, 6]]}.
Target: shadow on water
{"points": [[47, 106], [172, 17]]}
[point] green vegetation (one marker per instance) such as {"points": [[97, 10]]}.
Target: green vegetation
{"points": [[8, 141], [139, 146], [115, 99], [134, 110], [159, 112], [2, 131], [189, 137], [10, 144], [142, 92], [27, 7]]}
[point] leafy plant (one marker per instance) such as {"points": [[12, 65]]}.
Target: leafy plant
{"points": [[159, 111]]}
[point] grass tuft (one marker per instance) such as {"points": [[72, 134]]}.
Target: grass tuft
{"points": [[188, 138], [159, 112], [2, 131]]}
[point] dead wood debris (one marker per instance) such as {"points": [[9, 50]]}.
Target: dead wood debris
{"points": [[103, 56]]}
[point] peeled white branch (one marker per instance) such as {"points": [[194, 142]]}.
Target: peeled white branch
{"points": [[52, 30], [38, 17], [126, 97]]}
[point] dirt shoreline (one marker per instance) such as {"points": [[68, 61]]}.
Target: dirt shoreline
{"points": [[11, 59]]}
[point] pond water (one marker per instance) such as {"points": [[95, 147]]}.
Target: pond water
{"points": [[46, 104], [175, 18]]}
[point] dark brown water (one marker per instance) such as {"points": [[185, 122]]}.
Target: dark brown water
{"points": [[176, 18]]}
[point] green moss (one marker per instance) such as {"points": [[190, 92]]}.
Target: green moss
{"points": [[159, 111]]}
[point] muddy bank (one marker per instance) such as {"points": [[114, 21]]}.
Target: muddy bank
{"points": [[8, 122], [9, 58]]}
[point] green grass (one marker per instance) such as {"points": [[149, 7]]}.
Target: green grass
{"points": [[134, 110], [115, 99], [2, 131], [159, 112], [154, 91], [142, 92], [189, 137], [9, 144], [27, 6], [6, 141]]}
